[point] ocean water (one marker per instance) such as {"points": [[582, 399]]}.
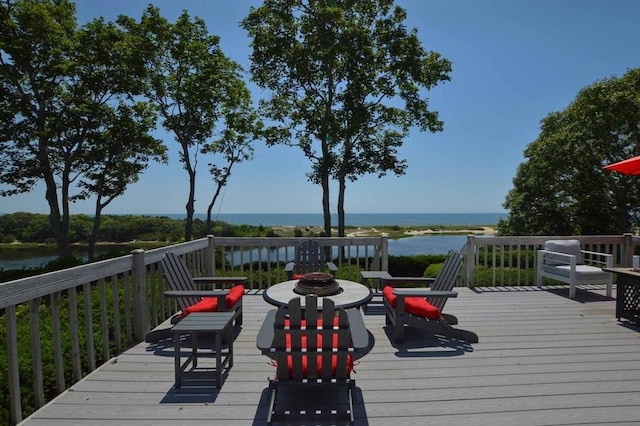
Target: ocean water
{"points": [[354, 219]]}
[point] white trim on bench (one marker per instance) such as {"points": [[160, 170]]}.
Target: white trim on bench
{"points": [[567, 270]]}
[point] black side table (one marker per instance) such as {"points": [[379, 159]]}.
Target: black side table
{"points": [[627, 293], [216, 323]]}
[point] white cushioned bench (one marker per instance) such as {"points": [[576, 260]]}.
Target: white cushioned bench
{"points": [[564, 261]]}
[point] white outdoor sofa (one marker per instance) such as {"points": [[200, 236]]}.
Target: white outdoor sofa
{"points": [[564, 261]]}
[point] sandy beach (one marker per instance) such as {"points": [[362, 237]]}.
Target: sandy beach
{"points": [[375, 232]]}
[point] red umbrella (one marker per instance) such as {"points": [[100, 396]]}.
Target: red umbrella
{"points": [[630, 166]]}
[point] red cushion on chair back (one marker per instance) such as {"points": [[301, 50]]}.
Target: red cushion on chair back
{"points": [[334, 358], [235, 294], [418, 306], [210, 304]]}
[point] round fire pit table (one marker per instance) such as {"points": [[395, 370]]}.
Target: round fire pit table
{"points": [[351, 295]]}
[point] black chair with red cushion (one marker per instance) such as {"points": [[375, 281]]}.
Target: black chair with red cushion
{"points": [[422, 307], [192, 298], [312, 346]]}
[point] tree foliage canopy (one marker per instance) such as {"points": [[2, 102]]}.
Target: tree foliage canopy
{"points": [[561, 188], [67, 108], [199, 93], [347, 81]]}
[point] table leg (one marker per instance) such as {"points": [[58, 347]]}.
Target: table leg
{"points": [[176, 352], [230, 344], [194, 348], [218, 359]]}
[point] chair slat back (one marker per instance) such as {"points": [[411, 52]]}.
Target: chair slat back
{"points": [[179, 278], [297, 332], [309, 257], [446, 279]]}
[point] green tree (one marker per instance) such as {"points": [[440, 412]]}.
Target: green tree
{"points": [[196, 88], [125, 149], [233, 146], [347, 82], [60, 87], [561, 188]]}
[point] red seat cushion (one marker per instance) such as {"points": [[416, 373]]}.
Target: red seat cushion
{"points": [[210, 304], [303, 343], [297, 276], [418, 306]]}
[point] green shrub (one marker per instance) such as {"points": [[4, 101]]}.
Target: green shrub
{"points": [[413, 266], [502, 276], [433, 270]]}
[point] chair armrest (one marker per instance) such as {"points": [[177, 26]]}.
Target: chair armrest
{"points": [[332, 267], [422, 292], [219, 280], [359, 333], [604, 258], [196, 293], [265, 334], [408, 280]]}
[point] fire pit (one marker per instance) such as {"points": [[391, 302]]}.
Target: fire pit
{"points": [[317, 283]]}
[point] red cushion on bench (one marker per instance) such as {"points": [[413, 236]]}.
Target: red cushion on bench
{"points": [[210, 304], [418, 306], [303, 343]]}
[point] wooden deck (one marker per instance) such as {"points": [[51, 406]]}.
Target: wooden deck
{"points": [[543, 359]]}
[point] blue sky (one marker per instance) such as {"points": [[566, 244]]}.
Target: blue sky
{"points": [[514, 62]]}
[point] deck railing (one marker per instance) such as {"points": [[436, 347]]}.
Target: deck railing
{"points": [[75, 319], [72, 320], [496, 261]]}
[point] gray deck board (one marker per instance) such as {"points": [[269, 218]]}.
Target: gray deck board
{"points": [[543, 359]]}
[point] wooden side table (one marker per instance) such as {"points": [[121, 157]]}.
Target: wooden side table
{"points": [[377, 277], [216, 323]]}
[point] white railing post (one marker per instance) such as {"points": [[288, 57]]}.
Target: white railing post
{"points": [[627, 250], [384, 254], [210, 257], [13, 367], [470, 256], [140, 296]]}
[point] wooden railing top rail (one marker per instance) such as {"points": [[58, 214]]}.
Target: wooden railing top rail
{"points": [[533, 240], [294, 241], [25, 289]]}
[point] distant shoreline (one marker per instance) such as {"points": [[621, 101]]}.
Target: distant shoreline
{"points": [[422, 220]]}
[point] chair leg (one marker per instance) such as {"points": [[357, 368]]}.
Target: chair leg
{"points": [[273, 390], [398, 329], [572, 291], [450, 319], [350, 390]]}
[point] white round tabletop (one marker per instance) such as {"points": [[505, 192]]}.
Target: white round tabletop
{"points": [[352, 294]]}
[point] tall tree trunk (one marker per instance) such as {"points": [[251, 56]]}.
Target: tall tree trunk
{"points": [[326, 204], [341, 220], [210, 207], [190, 207], [93, 237], [59, 226], [191, 170]]}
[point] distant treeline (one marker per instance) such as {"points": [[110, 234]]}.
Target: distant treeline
{"points": [[35, 228]]}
